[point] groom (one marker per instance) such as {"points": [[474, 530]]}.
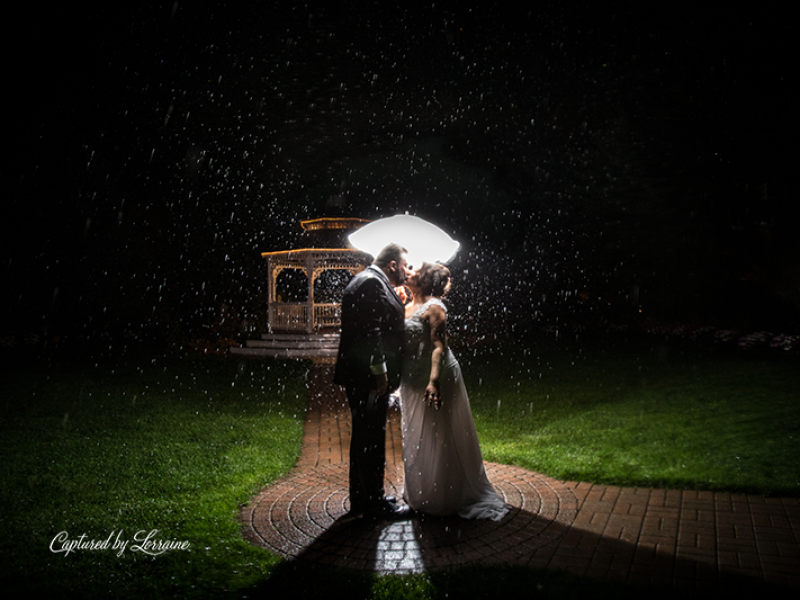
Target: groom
{"points": [[368, 365]]}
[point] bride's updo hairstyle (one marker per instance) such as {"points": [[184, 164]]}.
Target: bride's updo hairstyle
{"points": [[433, 279]]}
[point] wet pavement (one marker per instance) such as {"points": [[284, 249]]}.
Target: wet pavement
{"points": [[691, 540]]}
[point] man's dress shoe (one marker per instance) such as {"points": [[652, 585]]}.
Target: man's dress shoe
{"points": [[385, 509], [388, 511]]}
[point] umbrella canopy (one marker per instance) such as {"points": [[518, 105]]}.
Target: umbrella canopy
{"points": [[424, 241]]}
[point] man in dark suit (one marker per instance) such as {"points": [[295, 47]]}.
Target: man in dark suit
{"points": [[368, 365]]}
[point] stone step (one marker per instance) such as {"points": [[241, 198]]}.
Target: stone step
{"points": [[284, 352], [291, 345], [300, 336], [334, 344]]}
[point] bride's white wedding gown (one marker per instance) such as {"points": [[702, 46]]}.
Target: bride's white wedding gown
{"points": [[444, 472]]}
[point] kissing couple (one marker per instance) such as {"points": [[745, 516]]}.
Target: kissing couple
{"points": [[384, 346]]}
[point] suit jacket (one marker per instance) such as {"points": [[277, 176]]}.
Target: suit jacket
{"points": [[373, 320]]}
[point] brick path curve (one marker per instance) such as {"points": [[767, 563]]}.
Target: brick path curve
{"points": [[695, 541]]}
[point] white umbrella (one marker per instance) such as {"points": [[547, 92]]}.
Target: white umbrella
{"points": [[424, 241]]}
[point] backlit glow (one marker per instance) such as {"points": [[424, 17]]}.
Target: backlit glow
{"points": [[424, 241]]}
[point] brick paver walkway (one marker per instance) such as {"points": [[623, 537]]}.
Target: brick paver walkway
{"points": [[691, 540]]}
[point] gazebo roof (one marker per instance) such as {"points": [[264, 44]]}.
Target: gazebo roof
{"points": [[324, 237], [304, 252], [333, 223]]}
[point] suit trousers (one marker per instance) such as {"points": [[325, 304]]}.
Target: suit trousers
{"points": [[367, 446]]}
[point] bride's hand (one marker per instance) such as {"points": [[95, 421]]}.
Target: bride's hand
{"points": [[432, 396]]}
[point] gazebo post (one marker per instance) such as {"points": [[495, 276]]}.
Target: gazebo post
{"points": [[270, 291], [310, 275]]}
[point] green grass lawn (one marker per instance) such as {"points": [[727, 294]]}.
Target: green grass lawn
{"points": [[112, 447], [140, 444], [638, 414]]}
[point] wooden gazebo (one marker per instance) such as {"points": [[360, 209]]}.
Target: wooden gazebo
{"points": [[311, 314], [304, 323]]}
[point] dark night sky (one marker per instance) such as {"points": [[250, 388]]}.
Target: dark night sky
{"points": [[590, 159]]}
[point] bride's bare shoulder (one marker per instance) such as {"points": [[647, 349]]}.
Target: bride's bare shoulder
{"points": [[435, 312]]}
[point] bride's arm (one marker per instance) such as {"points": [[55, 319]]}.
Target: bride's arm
{"points": [[437, 319]]}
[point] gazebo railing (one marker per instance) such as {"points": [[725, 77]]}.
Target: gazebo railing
{"points": [[293, 316], [288, 316], [327, 315]]}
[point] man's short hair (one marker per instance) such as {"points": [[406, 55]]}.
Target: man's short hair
{"points": [[388, 254]]}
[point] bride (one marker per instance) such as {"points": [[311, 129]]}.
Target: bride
{"points": [[444, 472]]}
